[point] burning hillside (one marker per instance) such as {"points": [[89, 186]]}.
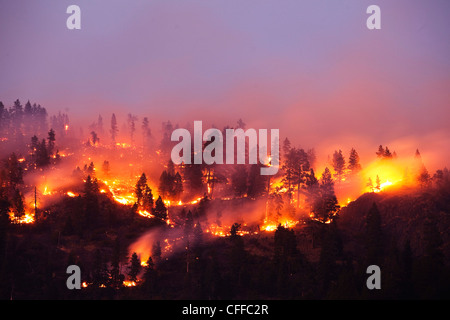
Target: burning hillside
{"points": [[92, 189]]}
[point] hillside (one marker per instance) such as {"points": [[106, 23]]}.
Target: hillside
{"points": [[404, 212]]}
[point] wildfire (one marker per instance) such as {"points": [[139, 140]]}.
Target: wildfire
{"points": [[196, 201], [123, 145], [218, 231], [146, 214], [270, 226], [25, 219], [383, 186], [46, 192], [382, 174], [127, 283]]}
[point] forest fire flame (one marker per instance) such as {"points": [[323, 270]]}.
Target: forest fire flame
{"points": [[24, 219]]}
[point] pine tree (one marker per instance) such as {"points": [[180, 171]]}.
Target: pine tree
{"points": [[166, 184], [275, 205], [42, 156], [370, 185], [378, 184], [147, 199], [135, 267], [387, 153], [114, 129], [140, 188], [338, 164], [131, 126], [301, 169], [424, 177], [51, 142], [325, 205], [353, 162], [380, 153], [146, 132], [160, 210], [18, 207], [312, 187], [100, 124], [286, 148]]}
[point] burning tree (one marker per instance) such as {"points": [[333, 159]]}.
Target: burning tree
{"points": [[144, 196]]}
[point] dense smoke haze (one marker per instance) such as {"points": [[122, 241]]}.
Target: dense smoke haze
{"points": [[311, 69]]}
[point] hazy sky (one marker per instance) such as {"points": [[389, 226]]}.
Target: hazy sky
{"points": [[310, 68]]}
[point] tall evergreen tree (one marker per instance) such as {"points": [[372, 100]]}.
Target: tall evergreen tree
{"points": [[325, 205], [380, 153], [160, 210], [140, 189], [146, 132], [18, 206], [114, 129], [339, 164], [147, 199], [51, 142], [131, 121], [353, 162], [135, 267]]}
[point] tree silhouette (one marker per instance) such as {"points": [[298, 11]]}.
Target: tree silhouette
{"points": [[160, 210], [325, 204], [380, 153], [114, 129], [135, 267], [338, 164], [353, 162]]}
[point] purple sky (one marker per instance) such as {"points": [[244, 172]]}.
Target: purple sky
{"points": [[310, 68]]}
